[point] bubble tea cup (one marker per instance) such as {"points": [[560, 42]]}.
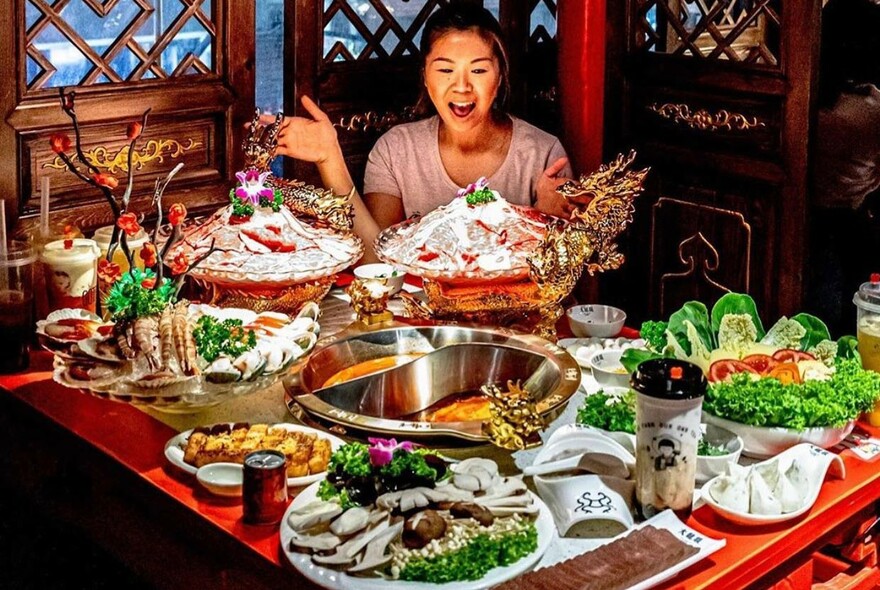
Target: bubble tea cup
{"points": [[669, 401], [71, 268]]}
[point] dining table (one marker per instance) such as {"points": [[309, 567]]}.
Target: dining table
{"points": [[98, 466]]}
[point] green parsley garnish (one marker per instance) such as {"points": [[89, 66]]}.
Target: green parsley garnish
{"points": [[475, 559], [240, 208], [480, 197], [275, 203], [707, 449], [611, 413], [129, 298], [215, 337]]}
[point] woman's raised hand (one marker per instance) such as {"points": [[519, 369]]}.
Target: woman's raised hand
{"points": [[547, 199], [312, 139]]}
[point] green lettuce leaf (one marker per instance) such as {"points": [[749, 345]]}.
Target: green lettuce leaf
{"points": [[695, 313], [817, 331], [736, 303]]}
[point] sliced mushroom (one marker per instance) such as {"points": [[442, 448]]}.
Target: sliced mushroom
{"points": [[312, 514], [470, 510], [351, 521], [375, 556], [322, 542], [508, 486], [422, 528], [475, 474], [346, 552]]}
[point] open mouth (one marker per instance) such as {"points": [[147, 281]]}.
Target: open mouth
{"points": [[462, 109]]}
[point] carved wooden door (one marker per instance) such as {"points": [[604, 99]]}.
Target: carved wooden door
{"points": [[191, 61], [360, 59], [716, 96]]}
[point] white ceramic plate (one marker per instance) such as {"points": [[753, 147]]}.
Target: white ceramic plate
{"points": [[764, 442], [175, 446], [707, 546], [818, 462], [335, 580]]}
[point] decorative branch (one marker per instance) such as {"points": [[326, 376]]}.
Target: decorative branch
{"points": [[178, 282]]}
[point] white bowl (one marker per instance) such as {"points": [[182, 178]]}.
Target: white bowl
{"points": [[608, 370], [588, 506], [817, 462], [222, 479], [380, 270], [763, 442], [708, 466], [602, 321]]}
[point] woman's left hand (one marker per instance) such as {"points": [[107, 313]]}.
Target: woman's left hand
{"points": [[547, 199]]}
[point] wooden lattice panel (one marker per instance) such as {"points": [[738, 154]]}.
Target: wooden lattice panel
{"points": [[736, 30], [114, 41], [374, 29], [542, 21]]}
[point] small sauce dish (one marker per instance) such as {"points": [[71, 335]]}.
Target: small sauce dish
{"points": [[601, 321], [221, 479], [607, 369], [380, 271]]}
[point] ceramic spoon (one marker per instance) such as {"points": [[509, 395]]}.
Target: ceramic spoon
{"points": [[598, 463]]}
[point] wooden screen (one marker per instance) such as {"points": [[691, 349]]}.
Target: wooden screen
{"points": [[191, 61]]}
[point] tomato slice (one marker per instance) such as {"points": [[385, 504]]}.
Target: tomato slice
{"points": [[787, 373], [790, 355], [762, 363], [721, 370]]}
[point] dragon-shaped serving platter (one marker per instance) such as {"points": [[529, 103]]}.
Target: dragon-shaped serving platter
{"points": [[507, 265], [274, 259]]}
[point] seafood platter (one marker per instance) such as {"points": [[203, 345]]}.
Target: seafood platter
{"points": [[488, 261], [278, 244], [186, 357], [357, 379]]}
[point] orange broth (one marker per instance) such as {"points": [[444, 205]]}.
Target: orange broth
{"points": [[370, 367]]}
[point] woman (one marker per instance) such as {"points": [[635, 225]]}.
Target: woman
{"points": [[419, 166]]}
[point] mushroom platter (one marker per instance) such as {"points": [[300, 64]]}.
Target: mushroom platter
{"points": [[403, 513]]}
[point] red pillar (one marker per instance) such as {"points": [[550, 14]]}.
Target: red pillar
{"points": [[581, 37]]}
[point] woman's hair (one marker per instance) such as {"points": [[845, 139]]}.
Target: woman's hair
{"points": [[466, 15], [850, 48]]}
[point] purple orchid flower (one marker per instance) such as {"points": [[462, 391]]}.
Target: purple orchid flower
{"points": [[481, 183], [382, 450], [253, 186]]}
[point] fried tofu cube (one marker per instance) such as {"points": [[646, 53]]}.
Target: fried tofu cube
{"points": [[320, 457]]}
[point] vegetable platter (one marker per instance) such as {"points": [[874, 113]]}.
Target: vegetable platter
{"points": [[791, 376]]}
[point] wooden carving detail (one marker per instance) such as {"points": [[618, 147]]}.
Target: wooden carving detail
{"points": [[373, 122], [105, 158], [701, 264], [734, 30], [125, 57], [705, 120]]}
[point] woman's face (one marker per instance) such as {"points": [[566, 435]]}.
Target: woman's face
{"points": [[462, 77]]}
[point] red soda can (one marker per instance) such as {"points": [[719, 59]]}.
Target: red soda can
{"points": [[264, 488]]}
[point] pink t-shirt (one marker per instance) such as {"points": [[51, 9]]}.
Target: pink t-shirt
{"points": [[405, 163]]}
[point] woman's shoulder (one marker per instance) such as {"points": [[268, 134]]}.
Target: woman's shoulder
{"points": [[525, 132]]}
